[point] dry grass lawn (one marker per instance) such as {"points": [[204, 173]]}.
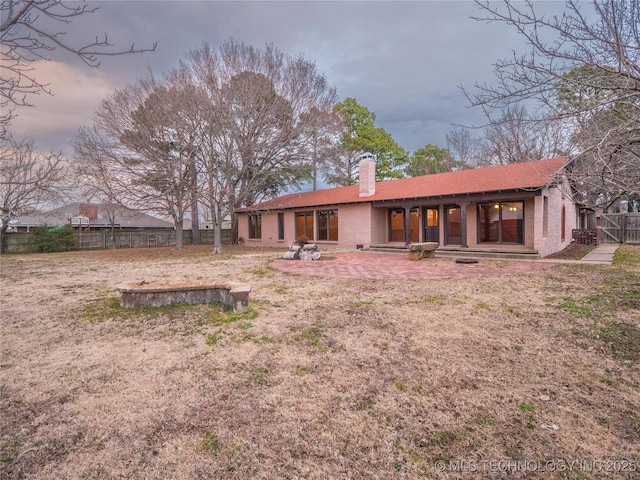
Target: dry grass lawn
{"points": [[322, 378]]}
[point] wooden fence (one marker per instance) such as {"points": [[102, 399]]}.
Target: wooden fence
{"points": [[21, 242], [619, 228]]}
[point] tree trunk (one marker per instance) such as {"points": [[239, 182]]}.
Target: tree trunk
{"points": [[195, 218], [217, 230], [179, 227], [195, 224], [113, 234], [234, 228], [3, 236]]}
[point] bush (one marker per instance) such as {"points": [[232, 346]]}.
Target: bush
{"points": [[52, 239]]}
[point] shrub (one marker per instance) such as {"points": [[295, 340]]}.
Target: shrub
{"points": [[52, 239]]}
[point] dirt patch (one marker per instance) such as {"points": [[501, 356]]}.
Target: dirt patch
{"points": [[324, 377], [573, 251]]}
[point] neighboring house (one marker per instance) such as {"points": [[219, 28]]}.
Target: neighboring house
{"points": [[521, 207], [90, 216]]}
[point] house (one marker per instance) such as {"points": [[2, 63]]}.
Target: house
{"points": [[521, 207], [90, 216]]}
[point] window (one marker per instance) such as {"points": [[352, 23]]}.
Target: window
{"points": [[280, 226], [545, 217], [327, 225], [304, 225], [414, 225], [501, 222], [255, 226]]}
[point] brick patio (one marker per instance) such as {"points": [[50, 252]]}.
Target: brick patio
{"points": [[391, 265]]}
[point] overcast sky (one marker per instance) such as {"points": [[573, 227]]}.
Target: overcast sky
{"points": [[404, 61]]}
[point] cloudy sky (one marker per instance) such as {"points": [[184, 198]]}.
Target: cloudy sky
{"points": [[404, 61]]}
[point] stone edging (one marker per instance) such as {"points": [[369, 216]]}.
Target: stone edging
{"points": [[138, 294]]}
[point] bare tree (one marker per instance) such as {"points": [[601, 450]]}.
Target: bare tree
{"points": [[252, 142], [463, 146], [583, 68], [517, 136], [27, 34], [321, 130], [141, 150], [28, 180], [226, 127], [97, 156]]}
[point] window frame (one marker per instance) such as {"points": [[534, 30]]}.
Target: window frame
{"points": [[255, 226], [280, 225], [306, 214], [330, 214], [500, 229]]}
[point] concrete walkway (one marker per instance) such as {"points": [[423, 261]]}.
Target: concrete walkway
{"points": [[602, 254]]}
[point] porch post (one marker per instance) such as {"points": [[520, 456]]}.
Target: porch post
{"points": [[463, 224], [407, 225]]}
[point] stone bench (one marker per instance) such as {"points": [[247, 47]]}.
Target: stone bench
{"points": [[138, 294], [418, 251]]}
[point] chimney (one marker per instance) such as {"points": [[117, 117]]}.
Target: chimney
{"points": [[88, 210], [367, 173]]}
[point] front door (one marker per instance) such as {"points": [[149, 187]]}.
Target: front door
{"points": [[453, 219], [398, 223], [431, 226]]}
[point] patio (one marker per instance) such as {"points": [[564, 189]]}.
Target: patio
{"points": [[392, 265]]}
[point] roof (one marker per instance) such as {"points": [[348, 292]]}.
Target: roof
{"points": [[124, 217], [515, 176]]}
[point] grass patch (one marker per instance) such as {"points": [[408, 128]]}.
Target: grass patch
{"points": [[214, 338], [485, 420], [226, 317], [570, 305], [229, 316], [312, 336], [257, 377], [215, 313], [211, 444], [627, 256], [621, 340], [526, 407], [110, 309], [483, 306], [435, 300]]}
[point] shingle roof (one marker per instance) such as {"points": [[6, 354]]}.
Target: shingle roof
{"points": [[124, 217], [516, 176]]}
